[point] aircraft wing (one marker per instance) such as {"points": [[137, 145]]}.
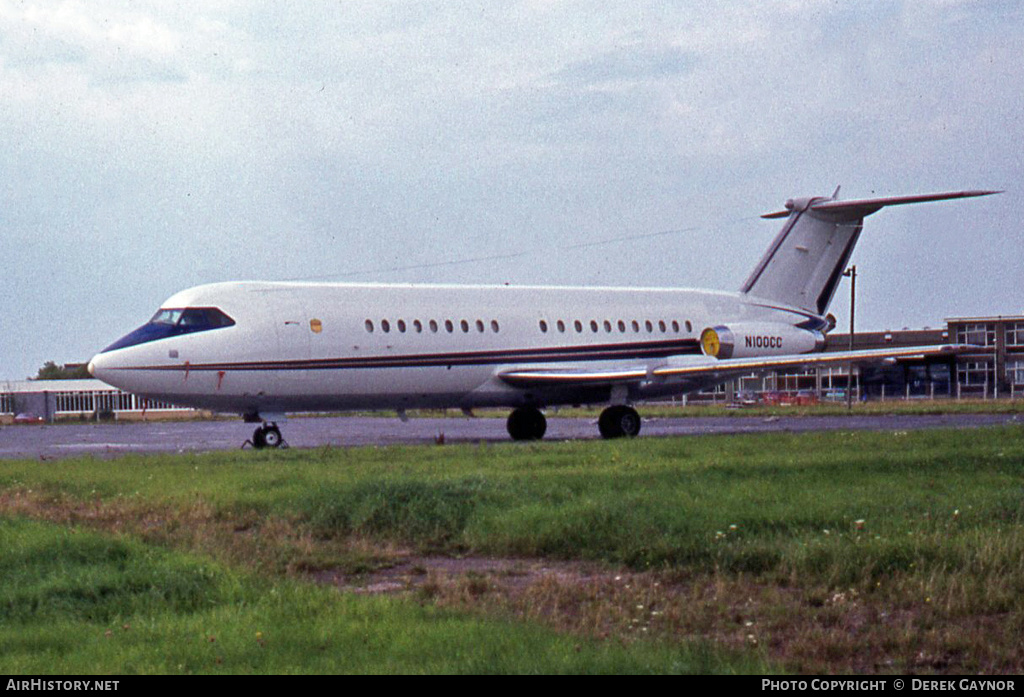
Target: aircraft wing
{"points": [[705, 369], [566, 376]]}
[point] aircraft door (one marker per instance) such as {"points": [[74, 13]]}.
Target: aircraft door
{"points": [[292, 328]]}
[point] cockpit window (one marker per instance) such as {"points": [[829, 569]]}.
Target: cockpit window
{"points": [[168, 322], [170, 317], [196, 319]]}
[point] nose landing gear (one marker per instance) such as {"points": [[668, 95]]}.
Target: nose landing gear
{"points": [[267, 436]]}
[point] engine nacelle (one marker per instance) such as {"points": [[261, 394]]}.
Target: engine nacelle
{"points": [[750, 339]]}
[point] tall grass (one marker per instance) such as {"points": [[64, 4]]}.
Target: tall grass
{"points": [[76, 602], [929, 524]]}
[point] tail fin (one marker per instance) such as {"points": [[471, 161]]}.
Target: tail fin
{"points": [[803, 266]]}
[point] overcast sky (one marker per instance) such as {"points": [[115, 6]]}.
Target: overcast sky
{"points": [[146, 147]]}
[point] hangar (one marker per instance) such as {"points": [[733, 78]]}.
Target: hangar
{"points": [[995, 371]]}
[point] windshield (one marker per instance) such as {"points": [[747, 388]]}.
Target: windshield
{"points": [[168, 322]]}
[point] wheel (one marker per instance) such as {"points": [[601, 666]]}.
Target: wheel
{"points": [[619, 421], [527, 423], [267, 436]]}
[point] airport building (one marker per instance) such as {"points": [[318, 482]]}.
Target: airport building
{"points": [[994, 371], [54, 400]]}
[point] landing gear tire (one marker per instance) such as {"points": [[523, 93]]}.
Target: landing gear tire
{"points": [[267, 436], [619, 421], [527, 423]]}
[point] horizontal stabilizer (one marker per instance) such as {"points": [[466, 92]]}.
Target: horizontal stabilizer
{"points": [[852, 210]]}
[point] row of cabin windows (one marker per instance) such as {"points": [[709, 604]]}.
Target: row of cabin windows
{"points": [[433, 326], [595, 326]]}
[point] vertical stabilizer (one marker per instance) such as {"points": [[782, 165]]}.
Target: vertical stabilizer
{"points": [[803, 266]]}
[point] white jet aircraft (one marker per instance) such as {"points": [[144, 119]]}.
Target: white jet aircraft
{"points": [[264, 349]]}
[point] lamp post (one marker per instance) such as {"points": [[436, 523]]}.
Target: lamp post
{"points": [[851, 273]]}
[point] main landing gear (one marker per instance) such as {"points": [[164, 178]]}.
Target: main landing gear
{"points": [[526, 423], [267, 436], [617, 421]]}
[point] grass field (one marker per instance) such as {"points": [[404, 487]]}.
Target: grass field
{"points": [[830, 552]]}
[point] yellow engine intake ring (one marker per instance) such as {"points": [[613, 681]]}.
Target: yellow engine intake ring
{"points": [[717, 342]]}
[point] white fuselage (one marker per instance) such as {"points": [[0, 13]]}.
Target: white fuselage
{"points": [[306, 347]]}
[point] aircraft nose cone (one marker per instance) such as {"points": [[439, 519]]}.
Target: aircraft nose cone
{"points": [[98, 367]]}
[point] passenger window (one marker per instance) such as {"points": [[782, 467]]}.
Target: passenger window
{"points": [[607, 326], [578, 325], [675, 326], [418, 325], [448, 326], [480, 326], [622, 326], [401, 325], [561, 326], [433, 326], [369, 326], [661, 325], [465, 326], [689, 327], [385, 325], [593, 325], [543, 326], [648, 326], [494, 326]]}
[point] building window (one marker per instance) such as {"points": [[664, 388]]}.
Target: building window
{"points": [[1015, 372], [1015, 334], [975, 373], [977, 334]]}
